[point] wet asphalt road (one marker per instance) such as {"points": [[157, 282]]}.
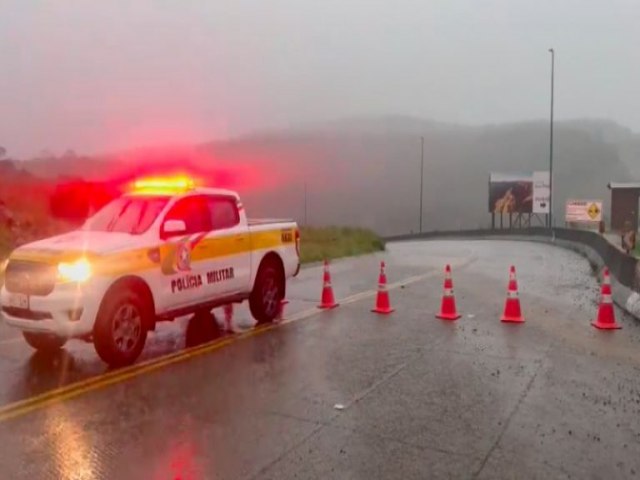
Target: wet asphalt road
{"points": [[349, 394]]}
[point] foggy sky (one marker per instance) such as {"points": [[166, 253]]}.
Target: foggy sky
{"points": [[101, 76]]}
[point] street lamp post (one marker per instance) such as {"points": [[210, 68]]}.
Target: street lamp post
{"points": [[421, 177], [305, 204], [551, 144]]}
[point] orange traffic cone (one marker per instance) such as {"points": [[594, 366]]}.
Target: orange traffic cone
{"points": [[606, 281], [281, 309], [448, 306], [228, 317], [383, 305], [606, 313], [512, 312], [327, 301]]}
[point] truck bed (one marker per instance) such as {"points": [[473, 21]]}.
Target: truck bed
{"points": [[253, 222]]}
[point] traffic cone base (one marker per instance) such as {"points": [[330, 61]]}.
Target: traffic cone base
{"points": [[228, 317], [512, 319], [448, 316], [512, 311], [606, 314], [327, 301], [383, 310], [283, 302], [383, 304], [606, 326], [328, 307], [448, 305]]}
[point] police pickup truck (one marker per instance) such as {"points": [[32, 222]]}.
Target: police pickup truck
{"points": [[165, 249]]}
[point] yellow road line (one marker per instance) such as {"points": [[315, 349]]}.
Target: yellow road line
{"points": [[22, 407]]}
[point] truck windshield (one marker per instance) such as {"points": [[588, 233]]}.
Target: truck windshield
{"points": [[127, 214]]}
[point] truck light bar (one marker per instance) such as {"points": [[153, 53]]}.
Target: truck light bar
{"points": [[164, 184]]}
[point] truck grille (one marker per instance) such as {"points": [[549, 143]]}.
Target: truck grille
{"points": [[26, 314], [30, 278]]}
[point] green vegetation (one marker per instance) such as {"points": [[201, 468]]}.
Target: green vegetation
{"points": [[5, 244], [5, 249], [335, 242]]}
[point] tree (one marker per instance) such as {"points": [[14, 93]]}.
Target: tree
{"points": [[3, 152], [76, 199], [69, 155]]}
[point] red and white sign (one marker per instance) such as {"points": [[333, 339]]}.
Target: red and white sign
{"points": [[583, 211]]}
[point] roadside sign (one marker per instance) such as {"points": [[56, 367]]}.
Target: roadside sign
{"points": [[541, 192], [527, 192], [583, 211]]}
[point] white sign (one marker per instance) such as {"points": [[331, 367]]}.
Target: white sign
{"points": [[519, 192], [583, 211], [541, 192]]}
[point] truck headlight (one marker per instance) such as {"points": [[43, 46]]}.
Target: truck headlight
{"points": [[78, 271]]}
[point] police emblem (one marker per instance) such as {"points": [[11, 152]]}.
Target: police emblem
{"points": [[178, 256], [183, 262]]}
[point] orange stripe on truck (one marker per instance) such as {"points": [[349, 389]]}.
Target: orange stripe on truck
{"points": [[138, 260]]}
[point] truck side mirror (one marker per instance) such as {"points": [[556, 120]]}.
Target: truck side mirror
{"points": [[173, 227]]}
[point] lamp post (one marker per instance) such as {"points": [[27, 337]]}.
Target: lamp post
{"points": [[421, 177], [305, 204], [551, 144]]}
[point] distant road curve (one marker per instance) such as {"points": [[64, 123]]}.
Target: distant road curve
{"points": [[624, 268]]}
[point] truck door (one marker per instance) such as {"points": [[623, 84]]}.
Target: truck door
{"points": [[229, 248], [185, 260]]}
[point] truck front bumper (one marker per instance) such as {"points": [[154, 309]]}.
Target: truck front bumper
{"points": [[68, 311]]}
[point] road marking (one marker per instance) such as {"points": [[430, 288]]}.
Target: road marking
{"points": [[67, 392]]}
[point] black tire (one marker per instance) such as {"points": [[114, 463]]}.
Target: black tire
{"points": [[44, 342], [120, 331], [202, 328], [268, 292]]}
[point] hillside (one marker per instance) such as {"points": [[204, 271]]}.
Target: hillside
{"points": [[365, 172], [626, 141]]}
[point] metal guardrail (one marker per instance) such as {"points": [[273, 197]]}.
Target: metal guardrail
{"points": [[624, 267]]}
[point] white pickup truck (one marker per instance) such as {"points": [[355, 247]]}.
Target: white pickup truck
{"points": [[166, 249]]}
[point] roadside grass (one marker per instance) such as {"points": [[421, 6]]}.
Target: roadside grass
{"points": [[5, 249], [316, 244], [636, 252], [5, 244]]}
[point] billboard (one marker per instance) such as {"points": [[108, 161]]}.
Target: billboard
{"points": [[541, 192], [519, 193], [583, 211]]}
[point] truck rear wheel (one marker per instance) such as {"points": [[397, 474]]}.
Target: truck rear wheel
{"points": [[268, 292], [120, 331], [44, 342]]}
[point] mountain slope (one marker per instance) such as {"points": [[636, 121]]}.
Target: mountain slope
{"points": [[366, 172]]}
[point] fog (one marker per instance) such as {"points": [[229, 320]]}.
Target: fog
{"points": [[366, 172], [105, 76]]}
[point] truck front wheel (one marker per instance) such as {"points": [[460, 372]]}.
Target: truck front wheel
{"points": [[120, 331], [44, 342], [268, 292]]}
